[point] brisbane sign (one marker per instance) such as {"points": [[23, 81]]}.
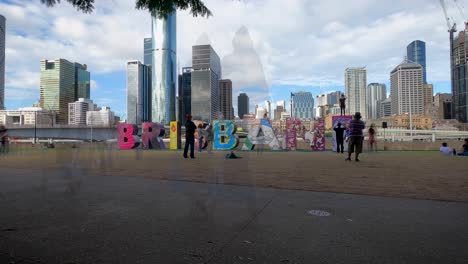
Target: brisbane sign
{"points": [[224, 136]]}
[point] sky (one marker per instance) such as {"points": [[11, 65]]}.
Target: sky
{"points": [[268, 48]]}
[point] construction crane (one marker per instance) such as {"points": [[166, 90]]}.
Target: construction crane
{"points": [[452, 28]]}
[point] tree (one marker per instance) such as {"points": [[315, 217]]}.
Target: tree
{"points": [[160, 8]]}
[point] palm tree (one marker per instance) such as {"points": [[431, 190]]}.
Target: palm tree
{"points": [[159, 8]]}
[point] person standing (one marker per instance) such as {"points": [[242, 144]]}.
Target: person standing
{"points": [[3, 138], [342, 105], [209, 138], [189, 137], [200, 137], [355, 136], [371, 135], [339, 134]]}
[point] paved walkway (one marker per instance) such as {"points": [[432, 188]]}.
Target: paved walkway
{"points": [[67, 216]]}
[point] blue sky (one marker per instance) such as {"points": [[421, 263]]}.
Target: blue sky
{"points": [[277, 56]]}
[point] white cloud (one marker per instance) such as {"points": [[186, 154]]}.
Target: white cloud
{"points": [[94, 85], [302, 42]]}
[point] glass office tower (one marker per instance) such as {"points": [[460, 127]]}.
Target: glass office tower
{"points": [[164, 69]]}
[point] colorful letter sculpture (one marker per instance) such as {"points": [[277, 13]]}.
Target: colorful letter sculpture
{"points": [[127, 136], [319, 135], [151, 136], [224, 138], [175, 135], [293, 128], [344, 120], [261, 133]]}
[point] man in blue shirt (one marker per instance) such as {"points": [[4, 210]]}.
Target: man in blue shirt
{"points": [[356, 136]]}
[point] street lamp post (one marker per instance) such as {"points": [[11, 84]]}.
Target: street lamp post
{"points": [[410, 117], [35, 126]]}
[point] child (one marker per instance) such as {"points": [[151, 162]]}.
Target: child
{"points": [[446, 150]]}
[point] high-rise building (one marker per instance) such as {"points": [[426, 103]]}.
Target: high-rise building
{"points": [[443, 105], [416, 52], [333, 97], [164, 69], [82, 82], [376, 92], [205, 83], [148, 51], [57, 87], [302, 105], [138, 92], [185, 93], [100, 118], [459, 67], [2, 61], [225, 99], [281, 103], [385, 107], [428, 95], [268, 108], [279, 109], [242, 105], [407, 89], [77, 111], [355, 84]]}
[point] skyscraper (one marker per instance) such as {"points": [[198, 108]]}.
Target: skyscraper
{"points": [[333, 97], [407, 89], [148, 51], [376, 92], [185, 93], [385, 107], [268, 108], [82, 82], [164, 69], [428, 95], [459, 63], [302, 105], [279, 109], [205, 83], [225, 99], [355, 84], [57, 87], [2, 61], [242, 105], [443, 104], [138, 92], [416, 52]]}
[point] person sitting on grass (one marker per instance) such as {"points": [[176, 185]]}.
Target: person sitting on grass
{"points": [[446, 150], [464, 149]]}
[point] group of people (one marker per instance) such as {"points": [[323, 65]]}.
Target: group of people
{"points": [[446, 150], [204, 135]]}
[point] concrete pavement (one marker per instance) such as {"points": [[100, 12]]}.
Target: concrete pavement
{"points": [[65, 216]]}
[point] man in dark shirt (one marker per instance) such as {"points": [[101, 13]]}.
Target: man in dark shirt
{"points": [[339, 132], [3, 138], [355, 136], [465, 149], [189, 136], [343, 105]]}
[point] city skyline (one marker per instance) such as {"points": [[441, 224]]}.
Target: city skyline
{"points": [[109, 80]]}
